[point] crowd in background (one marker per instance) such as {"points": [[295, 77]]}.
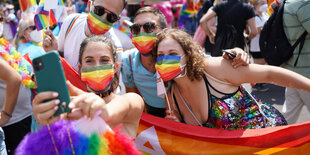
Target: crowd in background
{"points": [[215, 81]]}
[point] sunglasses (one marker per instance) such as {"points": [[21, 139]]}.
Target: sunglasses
{"points": [[111, 17], [32, 28], [148, 27]]}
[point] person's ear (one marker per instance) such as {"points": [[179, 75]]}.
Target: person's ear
{"points": [[116, 67], [79, 66]]}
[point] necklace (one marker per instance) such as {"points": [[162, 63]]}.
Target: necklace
{"points": [[14, 58]]}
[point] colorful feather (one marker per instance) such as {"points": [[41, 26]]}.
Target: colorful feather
{"points": [[108, 142]]}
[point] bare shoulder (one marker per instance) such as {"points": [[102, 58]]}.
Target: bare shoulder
{"points": [[133, 98]]}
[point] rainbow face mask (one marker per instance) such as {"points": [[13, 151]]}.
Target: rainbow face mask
{"points": [[168, 67], [97, 25], [144, 42], [98, 78]]}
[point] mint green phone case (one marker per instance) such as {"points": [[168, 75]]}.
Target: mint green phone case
{"points": [[50, 77]]}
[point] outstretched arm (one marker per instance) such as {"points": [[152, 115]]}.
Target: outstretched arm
{"points": [[13, 81], [126, 109], [255, 73]]}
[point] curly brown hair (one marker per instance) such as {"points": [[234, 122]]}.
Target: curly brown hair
{"points": [[194, 52]]}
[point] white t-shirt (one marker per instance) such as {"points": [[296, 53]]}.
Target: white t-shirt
{"points": [[71, 44], [254, 45], [22, 108]]}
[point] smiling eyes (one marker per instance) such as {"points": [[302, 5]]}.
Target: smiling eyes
{"points": [[169, 53], [91, 61]]}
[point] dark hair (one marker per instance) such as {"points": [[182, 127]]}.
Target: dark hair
{"points": [[104, 40], [162, 19], [194, 52], [124, 3]]}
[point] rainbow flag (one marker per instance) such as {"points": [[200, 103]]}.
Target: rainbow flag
{"points": [[41, 17], [25, 4], [160, 136], [169, 69], [187, 11], [123, 26], [60, 2]]}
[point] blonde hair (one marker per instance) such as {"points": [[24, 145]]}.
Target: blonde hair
{"points": [[23, 24]]}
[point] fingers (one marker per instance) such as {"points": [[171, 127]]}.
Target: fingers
{"points": [[75, 114], [46, 115], [44, 96], [46, 106], [74, 90], [170, 116]]}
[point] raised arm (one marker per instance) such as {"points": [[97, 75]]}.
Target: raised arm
{"points": [[204, 24], [255, 73]]}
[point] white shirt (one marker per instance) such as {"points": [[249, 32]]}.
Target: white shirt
{"points": [[254, 45]]}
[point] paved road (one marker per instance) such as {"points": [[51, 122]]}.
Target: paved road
{"points": [[275, 96]]}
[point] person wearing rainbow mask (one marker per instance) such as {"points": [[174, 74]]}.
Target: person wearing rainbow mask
{"points": [[138, 67], [76, 27], [99, 65]]}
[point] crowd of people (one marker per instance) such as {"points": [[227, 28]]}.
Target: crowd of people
{"points": [[201, 85]]}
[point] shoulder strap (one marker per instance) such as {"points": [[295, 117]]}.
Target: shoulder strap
{"points": [[209, 95], [71, 25], [300, 40], [131, 66], [176, 103]]}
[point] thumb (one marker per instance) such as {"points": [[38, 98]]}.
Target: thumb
{"points": [[74, 91], [52, 36]]}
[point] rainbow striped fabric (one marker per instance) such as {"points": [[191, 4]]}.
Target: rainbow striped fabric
{"points": [[160, 136], [168, 66], [144, 42], [25, 4], [97, 25], [42, 16], [98, 77]]}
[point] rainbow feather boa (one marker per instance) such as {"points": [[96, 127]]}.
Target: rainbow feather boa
{"points": [[91, 143], [14, 58]]}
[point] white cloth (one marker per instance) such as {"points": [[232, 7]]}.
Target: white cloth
{"points": [[294, 101], [7, 32], [23, 106], [254, 45], [71, 44]]}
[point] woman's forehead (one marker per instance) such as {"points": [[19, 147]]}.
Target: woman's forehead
{"points": [[97, 49]]}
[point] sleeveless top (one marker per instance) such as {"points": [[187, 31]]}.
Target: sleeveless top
{"points": [[238, 110]]}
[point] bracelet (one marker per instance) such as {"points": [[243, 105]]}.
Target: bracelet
{"points": [[7, 114]]}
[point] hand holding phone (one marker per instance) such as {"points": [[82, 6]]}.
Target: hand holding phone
{"points": [[230, 54], [50, 77]]}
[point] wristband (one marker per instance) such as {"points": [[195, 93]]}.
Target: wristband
{"points": [[7, 114]]}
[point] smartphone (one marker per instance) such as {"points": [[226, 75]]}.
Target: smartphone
{"points": [[229, 53], [50, 77]]}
